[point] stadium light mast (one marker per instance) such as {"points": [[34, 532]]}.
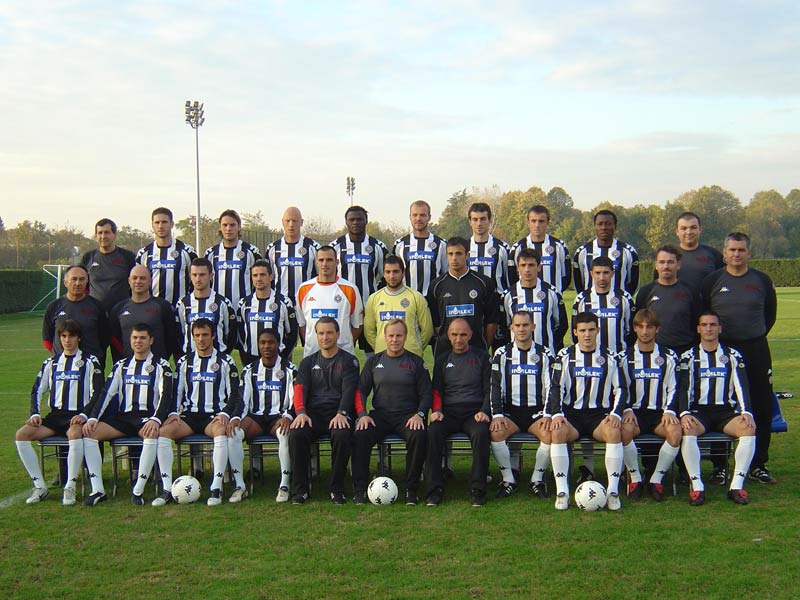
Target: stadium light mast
{"points": [[195, 118], [351, 188]]}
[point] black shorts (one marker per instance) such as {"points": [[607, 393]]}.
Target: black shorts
{"points": [[128, 423], [266, 422], [197, 422], [714, 418], [523, 417], [585, 421], [58, 421], [648, 420]]}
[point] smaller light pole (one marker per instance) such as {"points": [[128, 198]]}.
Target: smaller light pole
{"points": [[351, 188], [195, 118]]}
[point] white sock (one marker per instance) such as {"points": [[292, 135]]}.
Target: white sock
{"points": [[745, 450], [220, 460], [74, 462], [94, 462], [666, 456], [515, 451], [31, 463], [614, 464], [146, 462], [631, 456], [503, 458], [284, 458], [691, 459], [587, 448], [165, 457], [236, 456], [559, 457], [542, 460]]}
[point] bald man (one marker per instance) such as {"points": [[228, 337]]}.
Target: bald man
{"points": [[293, 257]]}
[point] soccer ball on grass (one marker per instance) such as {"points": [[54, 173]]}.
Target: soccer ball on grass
{"points": [[185, 489], [590, 495], [382, 490]]}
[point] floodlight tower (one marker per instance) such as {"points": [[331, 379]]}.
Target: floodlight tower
{"points": [[351, 188], [195, 118]]}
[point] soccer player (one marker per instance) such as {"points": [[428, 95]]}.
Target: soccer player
{"points": [[142, 307], [204, 303], [402, 397], [267, 390], [422, 251], [397, 301], [67, 382], [488, 255], [265, 309], [77, 305], [140, 390], [293, 256], [108, 266], [210, 402], [463, 293], [624, 258], [231, 259], [460, 403], [328, 295], [698, 260], [714, 397], [521, 379], [168, 259], [745, 300], [324, 395], [651, 372], [556, 268], [587, 398]]}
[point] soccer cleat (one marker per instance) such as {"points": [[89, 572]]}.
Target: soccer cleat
{"points": [[613, 502], [719, 476], [360, 497], [505, 489], [538, 488], [657, 491], [215, 498], [37, 495], [562, 501], [239, 494], [95, 499], [697, 498], [68, 499], [162, 499], [477, 497], [338, 498], [585, 474], [738, 496], [136, 499], [411, 498], [435, 497], [761, 475], [635, 489], [283, 494], [300, 498]]}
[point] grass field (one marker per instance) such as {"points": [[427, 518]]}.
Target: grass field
{"points": [[519, 547]]}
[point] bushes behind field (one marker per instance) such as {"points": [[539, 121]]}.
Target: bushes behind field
{"points": [[21, 290]]}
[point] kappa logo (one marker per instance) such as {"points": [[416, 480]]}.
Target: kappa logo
{"points": [[449, 366], [447, 295], [724, 289], [61, 313], [379, 366], [126, 313], [654, 298], [316, 367], [95, 264]]}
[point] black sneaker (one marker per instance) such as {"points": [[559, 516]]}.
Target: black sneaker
{"points": [[360, 498], [697, 498], [299, 498], [761, 475], [738, 497], [95, 498], [477, 497], [719, 476], [411, 498], [136, 499], [505, 489], [585, 474], [435, 497], [338, 498], [635, 489], [656, 491], [538, 488]]}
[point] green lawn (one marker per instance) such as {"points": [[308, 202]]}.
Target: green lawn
{"points": [[516, 548]]}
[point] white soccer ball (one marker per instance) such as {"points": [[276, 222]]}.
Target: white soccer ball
{"points": [[590, 495], [382, 490], [186, 489]]}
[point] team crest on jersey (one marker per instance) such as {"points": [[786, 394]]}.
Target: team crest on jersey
{"points": [[601, 361], [367, 248], [741, 366], [404, 303], [431, 245], [492, 251], [301, 251], [473, 294], [723, 360], [534, 359], [659, 360], [278, 374], [79, 363], [540, 295], [148, 368], [337, 298], [213, 306], [615, 302], [549, 249], [215, 367], [273, 306], [173, 254], [240, 254], [615, 254]]}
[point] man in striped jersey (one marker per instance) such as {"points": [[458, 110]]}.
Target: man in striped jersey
{"points": [[140, 388], [293, 257], [209, 402], [651, 372], [267, 390], [587, 398], [422, 251], [556, 265], [204, 303], [232, 259], [624, 258], [714, 396], [324, 395], [168, 259], [67, 382], [265, 309], [521, 379]]}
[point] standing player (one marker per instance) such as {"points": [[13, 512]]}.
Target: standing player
{"points": [[422, 251], [714, 397], [293, 257], [487, 255], [232, 259], [168, 259], [67, 382], [324, 395], [698, 260], [556, 268], [108, 266], [624, 258]]}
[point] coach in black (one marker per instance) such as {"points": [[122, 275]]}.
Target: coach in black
{"points": [[108, 266], [698, 260]]}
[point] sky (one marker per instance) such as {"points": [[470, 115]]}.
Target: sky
{"points": [[632, 102]]}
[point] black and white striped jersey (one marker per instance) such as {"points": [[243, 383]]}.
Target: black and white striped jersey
{"points": [[361, 263], [614, 310], [292, 264], [254, 315], [208, 385], [652, 378], [216, 308], [169, 269], [268, 391], [587, 381], [232, 269], [521, 379], [425, 260], [623, 255], [714, 379], [547, 308], [491, 259], [67, 383], [555, 261]]}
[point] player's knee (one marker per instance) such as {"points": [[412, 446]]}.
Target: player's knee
{"points": [[75, 432], [23, 434]]}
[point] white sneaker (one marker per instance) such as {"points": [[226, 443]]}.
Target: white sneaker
{"points": [[215, 499], [238, 495], [69, 497], [562, 501], [37, 494], [613, 502], [283, 494]]}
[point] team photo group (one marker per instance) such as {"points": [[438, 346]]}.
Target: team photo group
{"points": [[682, 354]]}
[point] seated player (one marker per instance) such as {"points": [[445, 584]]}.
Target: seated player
{"points": [[209, 401], [402, 396], [69, 381], [521, 379], [141, 389], [587, 398], [324, 394], [714, 396], [460, 403], [652, 380], [267, 389]]}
